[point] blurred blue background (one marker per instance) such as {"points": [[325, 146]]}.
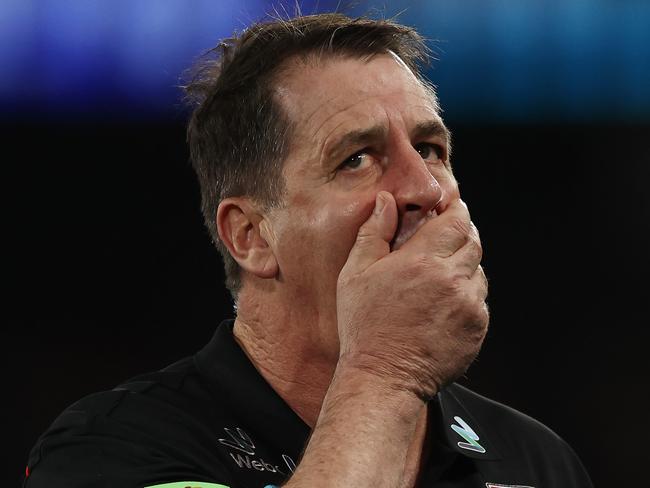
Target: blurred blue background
{"points": [[499, 60], [111, 272]]}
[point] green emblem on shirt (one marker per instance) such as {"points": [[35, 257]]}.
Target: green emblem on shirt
{"points": [[188, 484]]}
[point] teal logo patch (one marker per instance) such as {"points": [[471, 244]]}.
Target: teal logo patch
{"points": [[467, 433]]}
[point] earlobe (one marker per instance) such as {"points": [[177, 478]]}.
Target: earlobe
{"points": [[246, 234]]}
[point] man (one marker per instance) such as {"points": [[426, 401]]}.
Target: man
{"points": [[327, 186]]}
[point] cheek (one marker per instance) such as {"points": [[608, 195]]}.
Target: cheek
{"points": [[316, 240], [343, 222]]}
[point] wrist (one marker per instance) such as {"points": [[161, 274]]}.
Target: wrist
{"points": [[366, 413], [358, 380], [388, 375]]}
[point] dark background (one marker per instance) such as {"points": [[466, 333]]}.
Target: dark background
{"points": [[112, 274], [109, 272]]}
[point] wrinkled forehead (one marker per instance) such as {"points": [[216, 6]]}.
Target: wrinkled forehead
{"points": [[312, 91]]}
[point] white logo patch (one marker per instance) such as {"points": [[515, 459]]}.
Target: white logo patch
{"points": [[241, 441]]}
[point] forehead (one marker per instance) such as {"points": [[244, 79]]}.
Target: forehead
{"points": [[343, 93]]}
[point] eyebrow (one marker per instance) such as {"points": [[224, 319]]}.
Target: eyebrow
{"points": [[338, 148], [431, 128]]}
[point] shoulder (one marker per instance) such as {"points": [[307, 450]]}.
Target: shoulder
{"points": [[501, 418], [153, 424], [519, 440], [170, 395]]}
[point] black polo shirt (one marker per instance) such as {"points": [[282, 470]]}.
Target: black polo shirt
{"points": [[211, 420]]}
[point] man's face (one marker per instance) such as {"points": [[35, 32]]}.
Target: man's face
{"points": [[360, 127]]}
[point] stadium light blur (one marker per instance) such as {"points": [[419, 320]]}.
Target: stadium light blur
{"points": [[499, 60]]}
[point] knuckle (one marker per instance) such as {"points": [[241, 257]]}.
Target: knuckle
{"points": [[485, 313], [474, 231], [480, 290], [475, 328], [480, 314], [482, 317], [477, 249], [484, 278], [475, 240], [422, 264], [446, 271], [364, 233], [455, 286], [460, 225]]}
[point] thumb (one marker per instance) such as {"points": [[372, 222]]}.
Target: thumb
{"points": [[374, 236]]}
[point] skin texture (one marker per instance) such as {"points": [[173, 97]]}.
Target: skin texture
{"points": [[342, 307]]}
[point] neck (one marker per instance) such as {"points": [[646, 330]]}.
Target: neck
{"points": [[290, 346], [295, 349]]}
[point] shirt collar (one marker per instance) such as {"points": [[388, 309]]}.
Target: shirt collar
{"points": [[463, 432], [247, 397], [237, 384]]}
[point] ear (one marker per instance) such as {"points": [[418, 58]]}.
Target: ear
{"points": [[245, 232]]}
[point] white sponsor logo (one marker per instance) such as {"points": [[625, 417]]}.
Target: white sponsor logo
{"points": [[259, 464], [241, 441]]}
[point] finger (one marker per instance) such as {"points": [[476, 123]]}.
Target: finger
{"points": [[468, 257], [478, 289], [374, 235], [443, 235], [480, 283]]}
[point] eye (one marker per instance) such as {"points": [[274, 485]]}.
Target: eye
{"points": [[429, 151], [357, 161]]}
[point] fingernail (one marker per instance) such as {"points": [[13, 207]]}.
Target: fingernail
{"points": [[380, 203]]}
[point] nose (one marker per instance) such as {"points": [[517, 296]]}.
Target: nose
{"points": [[416, 190], [417, 193]]}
